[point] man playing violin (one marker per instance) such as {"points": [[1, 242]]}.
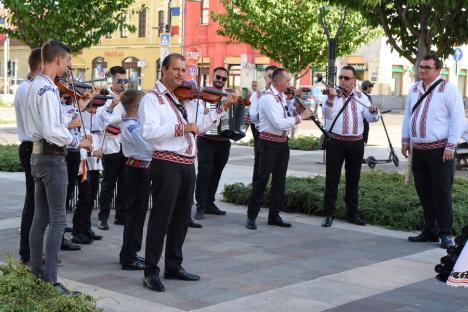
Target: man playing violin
{"points": [[50, 136], [276, 117], [213, 154], [113, 159], [170, 126], [344, 116]]}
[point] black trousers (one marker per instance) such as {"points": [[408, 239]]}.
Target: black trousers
{"points": [[114, 165], [273, 160], [25, 151], [73, 160], [87, 192], [351, 154], [256, 153], [172, 186], [433, 179], [212, 158], [137, 185]]}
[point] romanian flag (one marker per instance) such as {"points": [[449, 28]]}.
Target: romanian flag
{"points": [[175, 21], [84, 169]]}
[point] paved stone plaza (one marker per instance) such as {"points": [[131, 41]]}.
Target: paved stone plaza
{"points": [[305, 268]]}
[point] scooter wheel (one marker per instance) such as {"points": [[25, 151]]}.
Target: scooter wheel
{"points": [[371, 162]]}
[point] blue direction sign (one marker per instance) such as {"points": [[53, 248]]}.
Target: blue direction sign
{"points": [[457, 54], [165, 40]]}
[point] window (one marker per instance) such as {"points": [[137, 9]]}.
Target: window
{"points": [[205, 12], [161, 23], [123, 28], [397, 75], [142, 24], [462, 82]]}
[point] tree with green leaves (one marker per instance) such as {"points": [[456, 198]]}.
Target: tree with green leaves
{"points": [[416, 27], [80, 24], [290, 31]]}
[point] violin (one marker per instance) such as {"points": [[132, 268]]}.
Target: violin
{"points": [[67, 91], [186, 92]]}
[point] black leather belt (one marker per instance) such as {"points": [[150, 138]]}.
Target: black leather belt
{"points": [[43, 147]]}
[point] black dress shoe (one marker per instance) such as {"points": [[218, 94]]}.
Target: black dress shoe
{"points": [[68, 229], [357, 221], [445, 241], [199, 214], [194, 225], [134, 265], [214, 210], [93, 235], [119, 222], [425, 236], [251, 225], [279, 222], [81, 238], [103, 225], [68, 245], [153, 282], [328, 221], [181, 275], [64, 291]]}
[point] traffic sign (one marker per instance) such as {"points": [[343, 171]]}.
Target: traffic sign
{"points": [[192, 71], [192, 55], [163, 53], [457, 54], [165, 40]]}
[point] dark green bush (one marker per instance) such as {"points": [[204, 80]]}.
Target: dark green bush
{"points": [[9, 159], [20, 291], [301, 142], [384, 199]]}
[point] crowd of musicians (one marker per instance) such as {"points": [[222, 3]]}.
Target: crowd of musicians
{"points": [[146, 144]]}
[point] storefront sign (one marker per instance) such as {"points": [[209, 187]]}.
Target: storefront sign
{"points": [[113, 53]]}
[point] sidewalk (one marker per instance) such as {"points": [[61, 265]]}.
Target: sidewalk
{"points": [[305, 268]]}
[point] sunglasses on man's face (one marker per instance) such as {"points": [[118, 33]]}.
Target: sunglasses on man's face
{"points": [[345, 78], [218, 77], [122, 81]]}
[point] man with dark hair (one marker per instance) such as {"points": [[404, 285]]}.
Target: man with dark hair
{"points": [[213, 154], [170, 126], [25, 150], [276, 120], [254, 118], [344, 121], [50, 136], [113, 160], [432, 125], [366, 88]]}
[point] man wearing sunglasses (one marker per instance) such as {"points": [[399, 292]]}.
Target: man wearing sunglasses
{"points": [[276, 120], [433, 128], [345, 116], [254, 119], [113, 160], [213, 154]]}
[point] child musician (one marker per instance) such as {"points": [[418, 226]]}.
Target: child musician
{"points": [[136, 180]]}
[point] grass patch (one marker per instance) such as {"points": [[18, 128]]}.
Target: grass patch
{"points": [[21, 291], [7, 122], [4, 104], [300, 142], [10, 158], [384, 199]]}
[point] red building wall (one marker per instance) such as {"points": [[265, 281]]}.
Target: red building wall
{"points": [[213, 46]]}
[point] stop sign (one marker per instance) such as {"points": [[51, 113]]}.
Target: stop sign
{"points": [[192, 55]]}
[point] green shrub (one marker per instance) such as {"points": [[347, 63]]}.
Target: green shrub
{"points": [[384, 199], [301, 142], [9, 158], [20, 291]]}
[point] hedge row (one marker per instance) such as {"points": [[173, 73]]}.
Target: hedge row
{"points": [[9, 158], [300, 142], [384, 199], [20, 291]]}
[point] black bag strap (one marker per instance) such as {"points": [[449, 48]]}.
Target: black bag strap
{"points": [[339, 113], [426, 94]]}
